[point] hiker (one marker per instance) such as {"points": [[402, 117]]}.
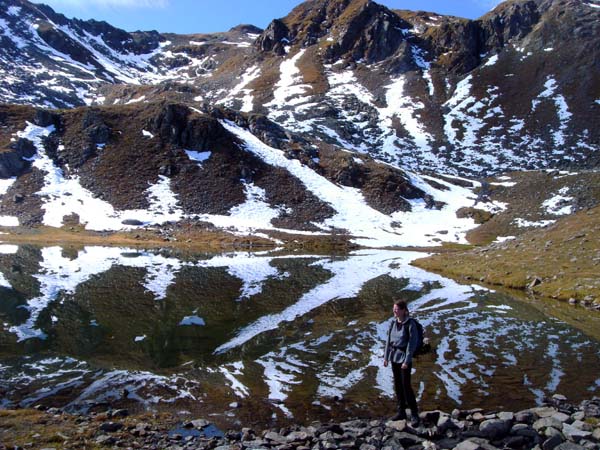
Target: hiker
{"points": [[402, 341]]}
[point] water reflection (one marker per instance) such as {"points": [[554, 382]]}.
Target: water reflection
{"points": [[298, 335]]}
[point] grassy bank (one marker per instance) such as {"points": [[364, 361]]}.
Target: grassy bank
{"points": [[561, 261]]}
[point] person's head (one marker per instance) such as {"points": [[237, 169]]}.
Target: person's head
{"points": [[400, 309]]}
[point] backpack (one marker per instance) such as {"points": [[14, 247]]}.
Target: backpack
{"points": [[422, 346]]}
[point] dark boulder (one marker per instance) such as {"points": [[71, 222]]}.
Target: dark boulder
{"points": [[274, 38], [12, 163]]}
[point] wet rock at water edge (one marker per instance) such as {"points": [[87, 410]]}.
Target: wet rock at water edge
{"points": [[495, 428]]}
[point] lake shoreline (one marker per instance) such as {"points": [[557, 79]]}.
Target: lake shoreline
{"points": [[554, 425]]}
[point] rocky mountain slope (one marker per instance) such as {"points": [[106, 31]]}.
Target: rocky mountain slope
{"points": [[517, 88], [317, 125], [123, 167]]}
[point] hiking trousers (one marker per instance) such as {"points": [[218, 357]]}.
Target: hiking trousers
{"points": [[403, 388]]}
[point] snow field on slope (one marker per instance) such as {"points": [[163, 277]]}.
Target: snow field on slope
{"points": [[562, 109], [289, 90], [369, 227], [248, 99], [65, 196], [254, 214]]}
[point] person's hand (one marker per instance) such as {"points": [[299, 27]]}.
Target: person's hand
{"points": [[385, 363], [405, 366]]}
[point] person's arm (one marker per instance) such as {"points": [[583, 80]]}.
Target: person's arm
{"points": [[386, 352], [413, 337]]}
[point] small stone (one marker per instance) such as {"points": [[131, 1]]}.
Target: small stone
{"points": [[574, 434], [561, 417], [596, 434], [516, 442], [579, 415], [275, 437], [584, 426], [525, 417], [407, 439], [120, 413], [569, 446], [468, 445], [367, 447], [572, 301], [444, 424], [535, 282], [494, 428], [200, 423], [518, 427], [559, 398], [234, 405], [550, 431], [544, 411], [297, 436], [478, 417], [506, 416], [546, 422], [398, 425], [111, 427], [104, 439], [552, 442]]}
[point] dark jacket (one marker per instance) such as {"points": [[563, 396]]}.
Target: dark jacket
{"points": [[401, 344]]}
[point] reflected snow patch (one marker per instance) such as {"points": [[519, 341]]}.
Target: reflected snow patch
{"points": [[192, 320]]}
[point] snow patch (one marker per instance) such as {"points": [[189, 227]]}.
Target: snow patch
{"points": [[523, 223], [559, 203], [192, 320], [198, 157]]}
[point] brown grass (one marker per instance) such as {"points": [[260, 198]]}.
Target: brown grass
{"points": [[35, 429], [564, 258]]}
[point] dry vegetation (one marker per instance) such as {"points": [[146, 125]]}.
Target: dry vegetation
{"points": [[561, 261], [28, 428]]}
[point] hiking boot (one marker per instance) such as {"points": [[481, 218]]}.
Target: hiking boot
{"points": [[415, 420], [400, 415]]}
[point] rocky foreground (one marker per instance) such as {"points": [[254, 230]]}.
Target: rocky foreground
{"points": [[556, 425]]}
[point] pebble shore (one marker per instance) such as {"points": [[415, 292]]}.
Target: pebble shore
{"points": [[556, 425]]}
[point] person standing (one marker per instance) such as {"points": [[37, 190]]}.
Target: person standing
{"points": [[402, 341]]}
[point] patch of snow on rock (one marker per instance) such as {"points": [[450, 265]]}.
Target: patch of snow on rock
{"points": [[198, 157], [523, 223], [559, 203]]}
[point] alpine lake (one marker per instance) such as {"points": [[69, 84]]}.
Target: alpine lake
{"points": [[269, 337]]}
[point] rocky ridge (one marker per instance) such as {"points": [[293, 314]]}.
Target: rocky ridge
{"points": [[555, 425]]}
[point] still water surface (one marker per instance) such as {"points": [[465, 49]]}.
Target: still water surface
{"points": [[267, 337]]}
